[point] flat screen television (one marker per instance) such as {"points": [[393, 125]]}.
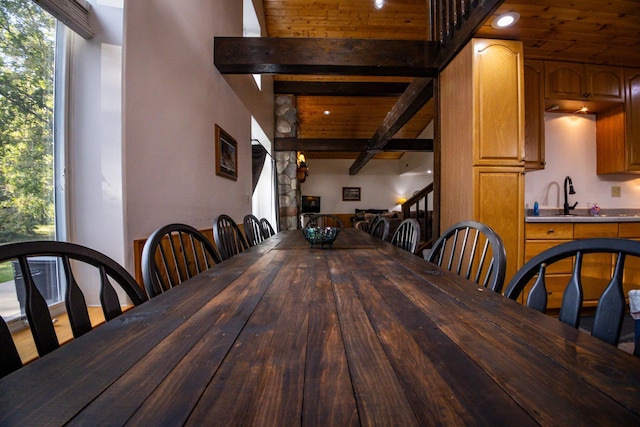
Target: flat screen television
{"points": [[310, 204]]}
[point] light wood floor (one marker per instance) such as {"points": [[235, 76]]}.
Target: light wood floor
{"points": [[26, 346]]}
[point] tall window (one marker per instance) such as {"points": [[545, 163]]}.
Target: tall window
{"points": [[27, 74]]}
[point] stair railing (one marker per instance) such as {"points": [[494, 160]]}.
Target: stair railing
{"points": [[418, 207]]}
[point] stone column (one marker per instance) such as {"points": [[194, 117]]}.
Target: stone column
{"points": [[286, 116], [288, 189]]}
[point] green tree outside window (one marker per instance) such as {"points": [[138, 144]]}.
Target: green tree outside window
{"points": [[27, 52]]}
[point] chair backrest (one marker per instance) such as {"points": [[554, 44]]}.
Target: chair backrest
{"points": [[267, 229], [252, 230], [381, 228], [473, 250], [324, 220], [373, 223], [70, 257], [174, 253], [228, 237], [611, 305], [407, 235]]}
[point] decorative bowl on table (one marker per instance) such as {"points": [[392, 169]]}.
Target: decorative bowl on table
{"points": [[321, 235]]}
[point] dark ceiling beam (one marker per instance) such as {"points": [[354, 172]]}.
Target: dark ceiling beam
{"points": [[348, 144], [355, 57], [339, 88], [421, 89], [412, 100]]}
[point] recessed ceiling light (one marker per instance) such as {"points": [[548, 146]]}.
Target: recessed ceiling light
{"points": [[505, 20], [326, 112], [378, 4]]}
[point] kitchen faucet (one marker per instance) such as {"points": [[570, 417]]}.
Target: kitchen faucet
{"points": [[567, 208]]}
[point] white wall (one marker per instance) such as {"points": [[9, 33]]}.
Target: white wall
{"points": [[173, 97], [570, 149], [144, 97], [382, 182], [93, 172]]}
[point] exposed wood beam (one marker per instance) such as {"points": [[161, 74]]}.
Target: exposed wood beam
{"points": [[339, 88], [348, 145], [417, 94], [362, 57]]}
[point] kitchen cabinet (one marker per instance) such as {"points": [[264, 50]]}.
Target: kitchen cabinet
{"points": [[584, 82], [596, 268], [533, 115], [498, 93], [618, 131], [482, 141]]}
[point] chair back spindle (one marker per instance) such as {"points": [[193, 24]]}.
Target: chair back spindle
{"points": [[228, 237], [174, 253], [407, 235], [473, 250], [71, 257], [611, 304], [253, 230]]}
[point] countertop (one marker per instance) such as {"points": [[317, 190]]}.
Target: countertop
{"points": [[583, 215]]}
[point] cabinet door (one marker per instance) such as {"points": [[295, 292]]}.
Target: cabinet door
{"points": [[564, 80], [632, 110], [605, 83], [596, 268], [499, 203], [498, 101], [534, 115]]}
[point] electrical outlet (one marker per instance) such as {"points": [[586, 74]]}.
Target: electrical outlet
{"points": [[616, 191]]}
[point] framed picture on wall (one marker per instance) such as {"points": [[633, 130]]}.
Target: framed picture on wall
{"points": [[226, 155], [350, 194]]}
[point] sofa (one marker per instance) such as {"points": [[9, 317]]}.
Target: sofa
{"points": [[360, 215], [395, 218]]}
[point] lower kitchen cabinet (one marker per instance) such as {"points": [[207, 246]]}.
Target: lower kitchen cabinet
{"points": [[596, 267]]}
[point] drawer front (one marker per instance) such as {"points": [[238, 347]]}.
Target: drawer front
{"points": [[555, 285], [629, 229], [551, 230], [585, 231], [533, 248]]}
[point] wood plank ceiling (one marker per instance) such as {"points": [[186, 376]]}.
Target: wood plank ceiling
{"points": [[592, 31]]}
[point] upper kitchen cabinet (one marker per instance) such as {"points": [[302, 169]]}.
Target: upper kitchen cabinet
{"points": [[533, 115], [618, 131], [566, 80], [498, 80]]}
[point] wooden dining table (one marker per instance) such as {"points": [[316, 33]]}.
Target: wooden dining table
{"points": [[361, 333]]}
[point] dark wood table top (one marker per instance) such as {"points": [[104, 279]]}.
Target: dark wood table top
{"points": [[361, 334]]}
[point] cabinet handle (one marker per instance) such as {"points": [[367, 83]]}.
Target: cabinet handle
{"points": [[543, 162], [550, 231]]}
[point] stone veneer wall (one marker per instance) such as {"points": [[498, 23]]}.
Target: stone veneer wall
{"points": [[286, 116], [288, 189]]}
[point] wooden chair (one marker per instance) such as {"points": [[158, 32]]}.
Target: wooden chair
{"points": [[267, 229], [381, 228], [174, 253], [228, 237], [324, 220], [374, 222], [252, 230], [611, 305], [407, 235], [70, 257], [471, 247]]}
